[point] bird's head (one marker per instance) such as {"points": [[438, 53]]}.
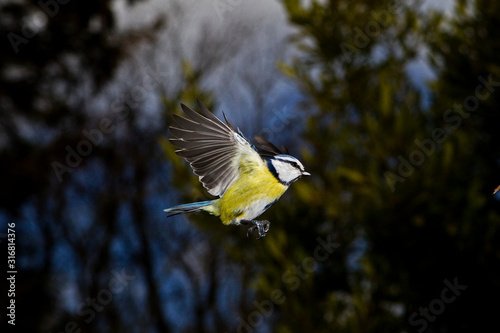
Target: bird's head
{"points": [[286, 168]]}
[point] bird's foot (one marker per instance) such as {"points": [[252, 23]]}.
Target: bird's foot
{"points": [[261, 226]]}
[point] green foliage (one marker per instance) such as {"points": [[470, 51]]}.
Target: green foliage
{"points": [[423, 205]]}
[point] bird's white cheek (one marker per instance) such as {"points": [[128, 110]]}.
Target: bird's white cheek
{"points": [[289, 176]]}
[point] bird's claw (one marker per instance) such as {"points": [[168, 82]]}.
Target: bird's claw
{"points": [[261, 226]]}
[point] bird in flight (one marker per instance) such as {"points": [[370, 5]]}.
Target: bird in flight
{"points": [[247, 179]]}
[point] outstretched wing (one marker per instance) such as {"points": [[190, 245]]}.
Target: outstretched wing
{"points": [[213, 149]]}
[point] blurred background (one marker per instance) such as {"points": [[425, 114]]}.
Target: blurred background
{"points": [[391, 105]]}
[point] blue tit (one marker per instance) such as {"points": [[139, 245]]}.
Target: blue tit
{"points": [[247, 179]]}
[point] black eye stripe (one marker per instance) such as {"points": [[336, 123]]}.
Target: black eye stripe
{"points": [[291, 162]]}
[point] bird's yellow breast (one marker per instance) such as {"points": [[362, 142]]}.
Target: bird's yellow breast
{"points": [[250, 194]]}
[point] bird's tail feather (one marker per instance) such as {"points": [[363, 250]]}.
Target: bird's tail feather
{"points": [[187, 208]]}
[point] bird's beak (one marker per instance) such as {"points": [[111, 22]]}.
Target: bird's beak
{"points": [[304, 173]]}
